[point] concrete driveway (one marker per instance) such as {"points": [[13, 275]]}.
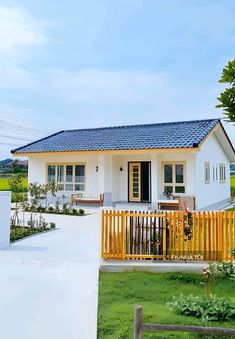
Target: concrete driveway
{"points": [[49, 282]]}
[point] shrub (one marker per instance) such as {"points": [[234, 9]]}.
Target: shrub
{"points": [[81, 211], [74, 211], [222, 269], [40, 209], [50, 209], [52, 224], [214, 309]]}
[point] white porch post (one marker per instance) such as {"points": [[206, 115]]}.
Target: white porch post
{"points": [[5, 215], [154, 181], [105, 168]]}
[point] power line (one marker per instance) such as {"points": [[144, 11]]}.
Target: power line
{"points": [[14, 137], [14, 118], [8, 144], [6, 124]]}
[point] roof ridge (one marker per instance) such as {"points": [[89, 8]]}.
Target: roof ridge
{"points": [[138, 125]]}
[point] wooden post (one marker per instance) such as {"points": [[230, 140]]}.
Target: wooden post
{"points": [[102, 237], [123, 227], [138, 322], [164, 234]]}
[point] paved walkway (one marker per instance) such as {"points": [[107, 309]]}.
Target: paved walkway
{"points": [[49, 282]]}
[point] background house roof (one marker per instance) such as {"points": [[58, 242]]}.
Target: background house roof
{"points": [[185, 134]]}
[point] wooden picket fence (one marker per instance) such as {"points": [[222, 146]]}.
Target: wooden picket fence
{"points": [[173, 235]]}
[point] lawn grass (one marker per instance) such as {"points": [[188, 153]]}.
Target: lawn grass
{"points": [[18, 233], [119, 292]]}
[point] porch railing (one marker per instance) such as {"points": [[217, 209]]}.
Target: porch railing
{"points": [[175, 235]]}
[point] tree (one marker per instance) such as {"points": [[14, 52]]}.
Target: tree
{"points": [[227, 97], [16, 186]]}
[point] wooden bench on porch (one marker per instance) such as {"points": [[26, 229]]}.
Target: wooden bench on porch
{"points": [[78, 198], [177, 203]]}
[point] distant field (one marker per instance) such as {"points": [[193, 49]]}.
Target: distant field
{"points": [[4, 186], [232, 182]]}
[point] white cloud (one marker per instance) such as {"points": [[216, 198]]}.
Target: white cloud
{"points": [[101, 97], [19, 34], [18, 29], [107, 87]]}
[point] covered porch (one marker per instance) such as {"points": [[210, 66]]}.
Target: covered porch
{"points": [[146, 180]]}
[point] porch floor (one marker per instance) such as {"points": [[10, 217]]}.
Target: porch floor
{"points": [[124, 205]]}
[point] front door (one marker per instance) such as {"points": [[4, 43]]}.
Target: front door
{"points": [[139, 181], [135, 181]]}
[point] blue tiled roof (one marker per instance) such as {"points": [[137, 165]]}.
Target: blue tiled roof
{"points": [[185, 134]]}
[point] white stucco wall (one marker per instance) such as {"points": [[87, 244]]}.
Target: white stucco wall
{"points": [[109, 177], [214, 192], [93, 183], [5, 213]]}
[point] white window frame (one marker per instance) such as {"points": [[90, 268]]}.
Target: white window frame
{"points": [[207, 173], [174, 184], [222, 173], [73, 182], [216, 172]]}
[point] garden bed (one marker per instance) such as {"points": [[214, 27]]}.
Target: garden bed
{"points": [[119, 292], [52, 210], [19, 232]]}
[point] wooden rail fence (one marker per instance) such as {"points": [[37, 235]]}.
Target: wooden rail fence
{"points": [[174, 235], [140, 327]]}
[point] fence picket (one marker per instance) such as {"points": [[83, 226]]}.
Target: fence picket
{"points": [[162, 235]]}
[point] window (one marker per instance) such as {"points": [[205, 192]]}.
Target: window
{"points": [[222, 173], [51, 173], [69, 177], [207, 172], [174, 177]]}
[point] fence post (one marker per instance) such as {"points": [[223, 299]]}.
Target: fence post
{"points": [[220, 247], [103, 250], [5, 216], [164, 236], [123, 235], [138, 322]]}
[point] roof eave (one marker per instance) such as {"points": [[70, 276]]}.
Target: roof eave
{"points": [[127, 151]]}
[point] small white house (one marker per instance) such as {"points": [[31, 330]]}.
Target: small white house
{"points": [[137, 163]]}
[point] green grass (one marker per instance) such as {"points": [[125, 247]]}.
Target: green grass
{"points": [[4, 184], [18, 233], [232, 181], [119, 292]]}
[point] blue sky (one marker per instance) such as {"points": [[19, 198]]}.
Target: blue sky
{"points": [[73, 64]]}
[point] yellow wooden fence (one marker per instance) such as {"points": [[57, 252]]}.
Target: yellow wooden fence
{"points": [[174, 235]]}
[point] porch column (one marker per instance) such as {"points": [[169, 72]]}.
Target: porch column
{"points": [[105, 168], [154, 181]]}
